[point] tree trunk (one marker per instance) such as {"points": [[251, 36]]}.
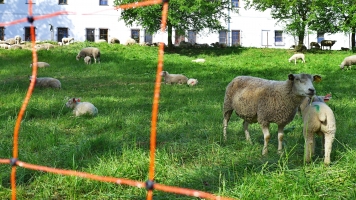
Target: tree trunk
{"points": [[169, 30], [353, 38]]}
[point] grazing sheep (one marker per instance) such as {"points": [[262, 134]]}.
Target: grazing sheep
{"points": [[130, 41], [41, 64], [314, 45], [81, 108], [318, 119], [345, 49], [199, 60], [266, 101], [47, 82], [297, 56], [89, 51], [17, 39], [173, 78], [67, 40], [192, 81], [114, 41], [348, 62], [87, 60], [327, 43], [60, 44], [15, 46], [100, 41]]}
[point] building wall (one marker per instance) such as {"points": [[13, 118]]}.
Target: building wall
{"points": [[257, 29]]}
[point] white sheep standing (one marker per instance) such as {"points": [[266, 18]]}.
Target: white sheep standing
{"points": [[17, 39], [87, 60], [297, 56], [46, 82], [173, 78], [41, 64], [192, 81], [67, 40], [266, 101], [318, 118], [89, 51], [348, 62], [130, 41], [81, 108]]}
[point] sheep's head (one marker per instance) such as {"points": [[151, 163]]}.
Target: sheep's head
{"points": [[72, 102], [77, 57]]}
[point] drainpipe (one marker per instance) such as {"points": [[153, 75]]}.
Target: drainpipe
{"points": [[228, 30]]}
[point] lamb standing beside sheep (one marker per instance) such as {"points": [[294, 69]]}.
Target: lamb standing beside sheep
{"points": [[89, 51], [318, 119], [46, 82], [266, 101], [348, 62], [297, 56], [87, 60], [81, 108]]}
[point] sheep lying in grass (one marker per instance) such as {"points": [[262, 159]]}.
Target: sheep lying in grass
{"points": [[348, 62], [297, 56], [318, 119], [81, 108], [173, 78], [192, 81], [41, 64], [266, 101], [89, 51], [87, 60], [46, 82]]}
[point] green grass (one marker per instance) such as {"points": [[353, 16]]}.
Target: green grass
{"points": [[190, 152]]}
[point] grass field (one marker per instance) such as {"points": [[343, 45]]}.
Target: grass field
{"points": [[190, 152]]}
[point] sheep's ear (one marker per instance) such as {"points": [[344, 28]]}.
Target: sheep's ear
{"points": [[291, 77], [327, 97], [74, 100], [317, 78]]}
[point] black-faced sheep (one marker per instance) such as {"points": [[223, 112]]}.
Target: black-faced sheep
{"points": [[266, 101], [318, 119], [348, 62], [89, 51], [327, 43], [297, 56], [314, 45], [46, 82], [81, 108]]}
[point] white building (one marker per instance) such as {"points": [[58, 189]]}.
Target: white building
{"points": [[96, 19]]}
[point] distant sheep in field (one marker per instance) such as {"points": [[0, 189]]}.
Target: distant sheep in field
{"points": [[327, 43], [17, 39], [297, 56], [67, 40], [318, 119], [41, 64], [348, 62], [266, 101], [87, 60], [130, 41], [314, 45], [60, 43], [201, 60], [192, 82], [81, 108], [89, 51], [173, 78], [46, 82], [114, 41]]}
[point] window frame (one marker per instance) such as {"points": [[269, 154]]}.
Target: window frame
{"points": [[221, 38], [62, 2], [132, 35], [60, 35], [319, 38], [104, 36], [236, 41], [86, 34], [102, 1], [2, 33], [27, 35], [148, 37]]}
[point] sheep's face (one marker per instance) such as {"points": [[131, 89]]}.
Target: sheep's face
{"points": [[164, 73], [71, 103], [77, 57], [192, 82], [303, 84]]}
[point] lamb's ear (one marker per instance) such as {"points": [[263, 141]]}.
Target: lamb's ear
{"points": [[317, 78], [327, 97], [291, 77], [74, 100]]}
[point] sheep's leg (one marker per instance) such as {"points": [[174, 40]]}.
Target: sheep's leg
{"points": [[227, 116], [266, 136], [328, 141], [309, 145], [280, 138], [247, 134]]}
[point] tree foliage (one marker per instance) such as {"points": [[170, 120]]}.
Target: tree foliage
{"points": [[182, 15]]}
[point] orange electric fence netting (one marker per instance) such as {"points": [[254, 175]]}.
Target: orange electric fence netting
{"points": [[149, 185]]}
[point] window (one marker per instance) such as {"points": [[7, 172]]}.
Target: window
{"points": [[222, 37], [148, 37], [235, 3], [28, 33], [178, 37], [62, 33], [267, 38], [135, 34], [103, 2], [278, 36], [28, 1], [90, 34], [62, 2], [103, 33], [320, 36], [2, 33], [192, 37], [235, 37]]}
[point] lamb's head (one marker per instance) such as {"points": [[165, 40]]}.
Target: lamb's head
{"points": [[302, 84], [192, 82], [71, 103], [164, 73]]}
